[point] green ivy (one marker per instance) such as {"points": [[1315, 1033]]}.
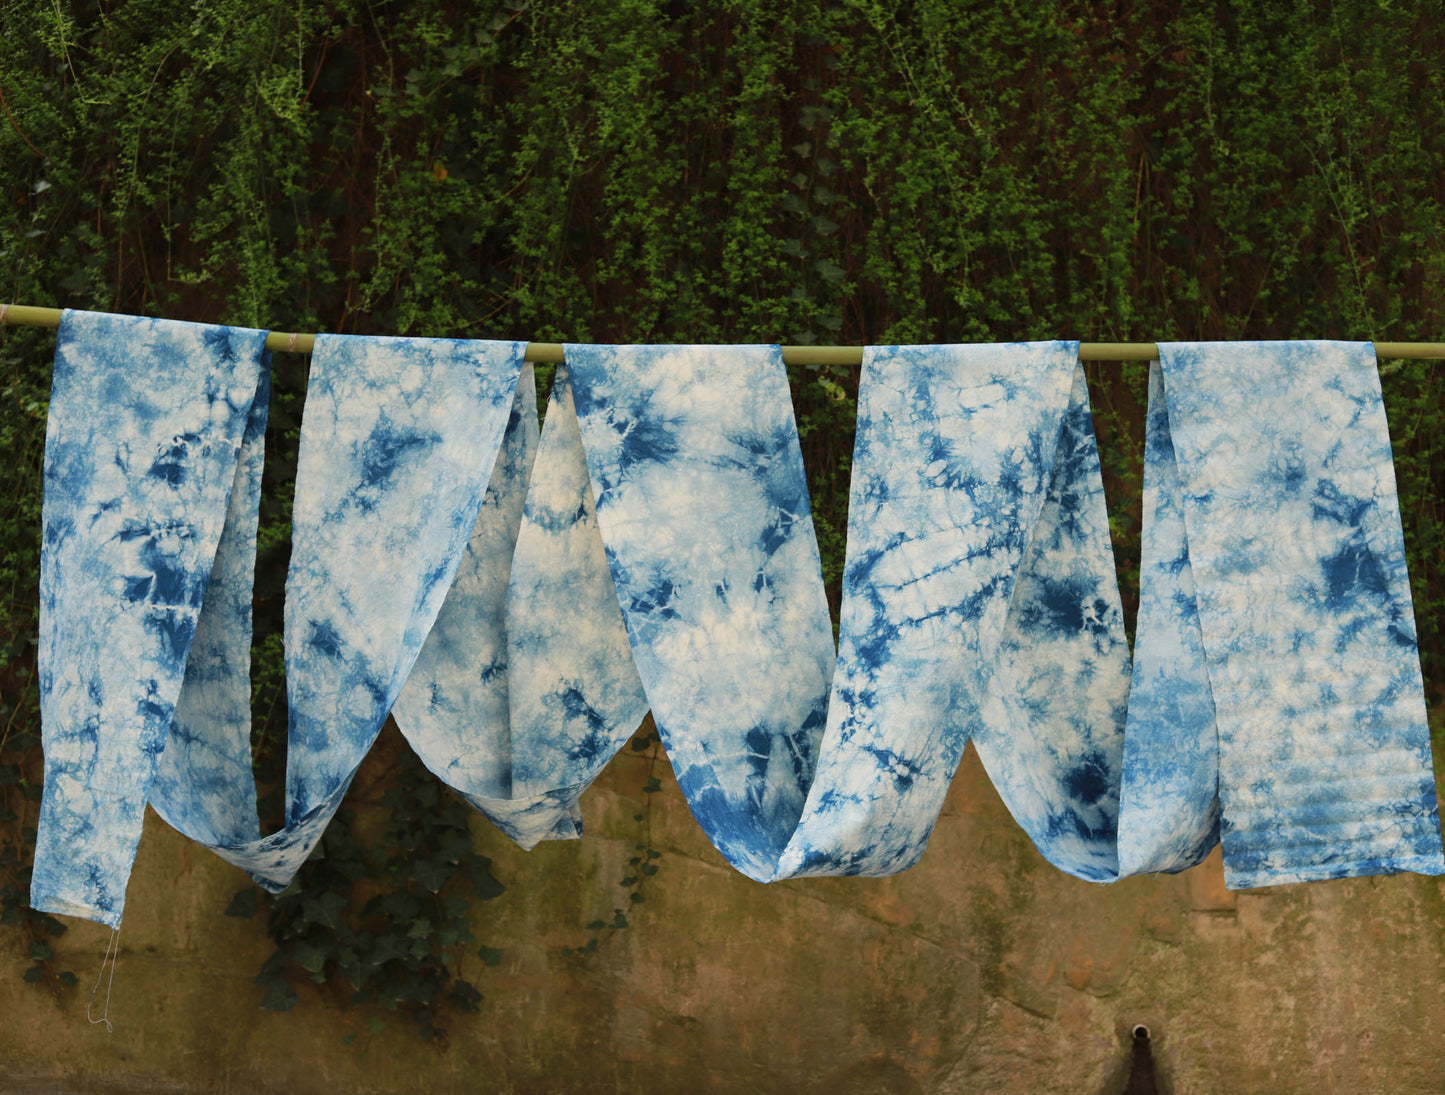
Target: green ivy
{"points": [[390, 918]]}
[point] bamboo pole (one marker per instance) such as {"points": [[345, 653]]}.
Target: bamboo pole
{"points": [[551, 352]]}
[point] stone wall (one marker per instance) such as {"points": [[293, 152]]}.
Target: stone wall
{"points": [[982, 969]]}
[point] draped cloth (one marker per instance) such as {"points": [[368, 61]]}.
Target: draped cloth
{"points": [[979, 598], [148, 419], [153, 464], [1277, 697], [521, 601], [1276, 668]]}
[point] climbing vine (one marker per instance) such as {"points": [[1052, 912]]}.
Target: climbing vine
{"points": [[797, 171]]}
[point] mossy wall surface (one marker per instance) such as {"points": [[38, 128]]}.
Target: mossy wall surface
{"points": [[792, 171], [982, 969]]}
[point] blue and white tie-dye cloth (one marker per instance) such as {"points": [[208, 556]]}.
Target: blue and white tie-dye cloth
{"points": [[979, 601], [154, 447], [147, 421], [655, 549], [1277, 697], [979, 598]]}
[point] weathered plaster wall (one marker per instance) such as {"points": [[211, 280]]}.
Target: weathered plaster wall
{"points": [[983, 969]]}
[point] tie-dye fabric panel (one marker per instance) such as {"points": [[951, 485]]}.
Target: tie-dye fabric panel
{"points": [[146, 423], [527, 681], [1051, 737], [397, 444], [979, 599], [965, 457], [1295, 544], [1169, 801], [703, 507]]}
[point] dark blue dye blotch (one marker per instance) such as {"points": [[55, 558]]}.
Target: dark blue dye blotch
{"points": [[1352, 572], [597, 740], [904, 772], [172, 583], [1090, 781], [385, 449], [170, 463], [760, 750], [175, 630], [1329, 503], [324, 638], [656, 600], [1057, 605]]}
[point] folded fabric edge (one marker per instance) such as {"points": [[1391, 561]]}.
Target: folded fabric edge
{"points": [[50, 902], [1235, 879]]}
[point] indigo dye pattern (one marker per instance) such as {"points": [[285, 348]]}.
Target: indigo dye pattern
{"points": [[526, 687], [965, 457], [1169, 812], [147, 419], [397, 442], [655, 548], [703, 507], [1287, 489]]}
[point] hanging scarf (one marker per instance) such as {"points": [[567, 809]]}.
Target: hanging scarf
{"points": [[396, 446], [1277, 699], [147, 421]]}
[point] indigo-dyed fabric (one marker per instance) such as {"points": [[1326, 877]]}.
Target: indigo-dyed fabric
{"points": [[397, 444], [1169, 815], [654, 548], [979, 598], [147, 419], [1281, 563], [703, 507], [526, 687], [398, 441]]}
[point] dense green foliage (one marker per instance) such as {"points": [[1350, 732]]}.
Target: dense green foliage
{"points": [[793, 171]]}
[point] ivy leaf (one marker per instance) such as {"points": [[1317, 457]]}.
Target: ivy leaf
{"points": [[431, 874], [324, 909], [491, 956], [311, 957], [279, 997], [484, 886], [244, 904]]}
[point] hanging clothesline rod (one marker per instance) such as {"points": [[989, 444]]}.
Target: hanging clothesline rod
{"points": [[550, 353]]}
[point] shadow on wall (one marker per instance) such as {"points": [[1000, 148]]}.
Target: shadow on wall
{"points": [[1136, 1073]]}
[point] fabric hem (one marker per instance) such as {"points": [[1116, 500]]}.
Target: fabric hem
{"points": [[1248, 880], [54, 903]]}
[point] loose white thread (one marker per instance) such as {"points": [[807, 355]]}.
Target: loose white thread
{"points": [[113, 945], [291, 343], [4, 311]]}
